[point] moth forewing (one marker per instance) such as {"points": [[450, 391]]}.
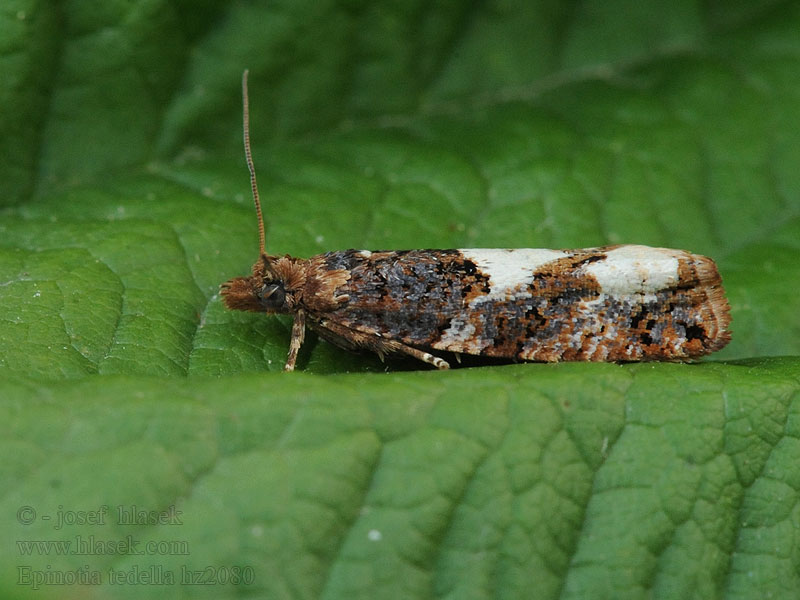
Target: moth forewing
{"points": [[613, 303]]}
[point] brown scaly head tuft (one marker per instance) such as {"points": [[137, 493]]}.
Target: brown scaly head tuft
{"points": [[240, 293], [275, 286]]}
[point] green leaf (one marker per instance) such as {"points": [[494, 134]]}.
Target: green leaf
{"points": [[125, 383], [575, 480]]}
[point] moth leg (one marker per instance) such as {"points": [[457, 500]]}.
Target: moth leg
{"points": [[400, 348], [350, 339], [298, 335]]}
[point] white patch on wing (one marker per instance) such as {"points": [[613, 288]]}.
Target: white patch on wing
{"points": [[508, 269], [460, 334], [636, 270]]}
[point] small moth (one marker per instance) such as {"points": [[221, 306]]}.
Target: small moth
{"points": [[613, 303]]}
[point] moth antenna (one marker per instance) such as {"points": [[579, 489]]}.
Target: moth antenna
{"points": [[249, 156]]}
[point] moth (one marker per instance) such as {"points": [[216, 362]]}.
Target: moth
{"points": [[612, 303]]}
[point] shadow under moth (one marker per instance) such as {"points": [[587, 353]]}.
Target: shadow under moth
{"points": [[612, 303]]}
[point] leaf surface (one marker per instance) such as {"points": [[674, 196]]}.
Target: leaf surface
{"points": [[125, 384]]}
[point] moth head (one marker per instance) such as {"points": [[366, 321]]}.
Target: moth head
{"points": [[272, 297], [274, 287]]}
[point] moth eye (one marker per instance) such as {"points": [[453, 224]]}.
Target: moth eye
{"points": [[272, 296]]}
